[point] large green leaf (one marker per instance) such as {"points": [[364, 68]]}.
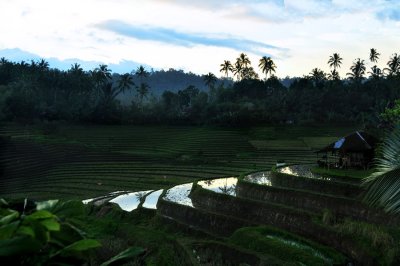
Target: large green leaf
{"points": [[46, 205], [68, 209], [41, 232], [8, 230], [3, 202], [18, 246], [79, 246], [26, 230], [42, 214], [51, 224], [9, 218], [124, 256]]}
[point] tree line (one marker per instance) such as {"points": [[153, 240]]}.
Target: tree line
{"points": [[33, 91]]}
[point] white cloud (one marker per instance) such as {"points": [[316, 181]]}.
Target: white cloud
{"points": [[310, 29]]}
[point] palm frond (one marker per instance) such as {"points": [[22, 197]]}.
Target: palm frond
{"points": [[383, 186]]}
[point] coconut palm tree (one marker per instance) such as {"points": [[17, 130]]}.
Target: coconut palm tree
{"points": [[357, 70], [317, 75], [125, 82], [210, 80], [237, 70], [3, 61], [393, 65], [244, 60], [102, 73], [375, 72], [335, 61], [383, 186], [76, 69], [333, 75], [374, 55], [249, 73], [142, 91], [267, 65], [43, 65], [226, 67], [141, 72]]}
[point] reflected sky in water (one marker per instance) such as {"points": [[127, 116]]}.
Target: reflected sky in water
{"points": [[129, 202], [301, 170], [261, 178], [152, 199], [180, 194], [105, 197], [221, 185]]}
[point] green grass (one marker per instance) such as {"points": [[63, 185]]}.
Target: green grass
{"points": [[353, 173], [285, 246], [73, 160]]}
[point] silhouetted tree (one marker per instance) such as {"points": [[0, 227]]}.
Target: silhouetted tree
{"points": [[226, 67], [267, 65], [357, 70]]}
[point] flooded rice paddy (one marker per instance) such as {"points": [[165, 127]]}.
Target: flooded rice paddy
{"points": [[180, 194], [221, 185]]}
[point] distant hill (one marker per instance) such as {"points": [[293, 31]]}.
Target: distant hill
{"points": [[18, 55], [158, 80], [172, 80]]}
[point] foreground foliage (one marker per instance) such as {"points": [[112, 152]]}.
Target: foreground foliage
{"points": [[384, 185], [44, 234]]}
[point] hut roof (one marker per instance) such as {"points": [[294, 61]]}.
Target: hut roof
{"points": [[358, 141]]}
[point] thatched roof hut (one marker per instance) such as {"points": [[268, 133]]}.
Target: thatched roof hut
{"points": [[354, 150]]}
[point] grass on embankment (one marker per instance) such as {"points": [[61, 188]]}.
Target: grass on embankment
{"points": [[352, 173], [285, 246]]}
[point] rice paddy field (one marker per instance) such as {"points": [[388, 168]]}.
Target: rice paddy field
{"points": [[78, 162]]}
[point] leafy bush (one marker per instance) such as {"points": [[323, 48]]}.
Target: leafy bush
{"points": [[39, 237], [43, 235]]}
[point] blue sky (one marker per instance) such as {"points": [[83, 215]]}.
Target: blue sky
{"points": [[197, 35]]}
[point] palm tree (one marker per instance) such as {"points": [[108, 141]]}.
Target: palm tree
{"points": [[317, 75], [249, 73], [335, 61], [125, 82], [141, 72], [76, 69], [375, 72], [393, 65], [142, 91], [383, 186], [237, 70], [43, 65], [374, 55], [333, 75], [267, 65], [244, 60], [210, 80], [102, 73], [3, 61], [226, 67], [357, 70]]}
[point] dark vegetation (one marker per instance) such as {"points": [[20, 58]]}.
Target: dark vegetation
{"points": [[34, 92], [53, 146], [86, 161]]}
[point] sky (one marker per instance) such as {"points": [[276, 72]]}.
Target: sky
{"points": [[198, 35]]}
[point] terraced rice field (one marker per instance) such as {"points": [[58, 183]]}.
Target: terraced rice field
{"points": [[88, 161]]}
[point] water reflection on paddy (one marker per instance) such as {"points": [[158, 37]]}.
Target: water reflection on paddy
{"points": [[180, 194], [100, 200], [301, 170], [152, 199], [221, 185], [130, 201], [261, 178]]}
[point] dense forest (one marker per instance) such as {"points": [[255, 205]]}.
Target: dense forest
{"points": [[34, 92]]}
